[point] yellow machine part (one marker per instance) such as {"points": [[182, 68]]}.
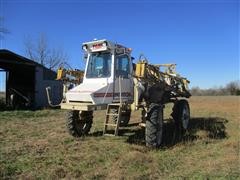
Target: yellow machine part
{"points": [[60, 73], [73, 76], [140, 69]]}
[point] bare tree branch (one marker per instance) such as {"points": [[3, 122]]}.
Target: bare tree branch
{"points": [[43, 54], [42, 49], [57, 57], [29, 48], [3, 30], [233, 87]]}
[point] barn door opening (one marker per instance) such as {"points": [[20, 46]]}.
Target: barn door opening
{"points": [[3, 75]]}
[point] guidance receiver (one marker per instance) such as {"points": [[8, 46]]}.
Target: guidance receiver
{"points": [[112, 82]]}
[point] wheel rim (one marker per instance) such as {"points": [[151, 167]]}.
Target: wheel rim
{"points": [[185, 117], [83, 126], [82, 123]]}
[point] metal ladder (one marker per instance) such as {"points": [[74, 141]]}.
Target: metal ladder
{"points": [[118, 110]]}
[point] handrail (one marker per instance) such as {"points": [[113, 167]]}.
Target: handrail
{"points": [[49, 100]]}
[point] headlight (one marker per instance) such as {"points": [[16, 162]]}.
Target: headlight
{"points": [[84, 47], [104, 44]]}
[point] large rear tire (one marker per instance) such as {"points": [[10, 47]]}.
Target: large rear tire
{"points": [[154, 126], [181, 116], [79, 123]]}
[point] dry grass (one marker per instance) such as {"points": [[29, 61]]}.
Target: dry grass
{"points": [[36, 145]]}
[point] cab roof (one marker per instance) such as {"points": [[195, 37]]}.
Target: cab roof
{"points": [[101, 45]]}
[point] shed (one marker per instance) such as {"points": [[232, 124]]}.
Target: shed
{"points": [[26, 82]]}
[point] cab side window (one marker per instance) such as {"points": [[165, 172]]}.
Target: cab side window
{"points": [[122, 66]]}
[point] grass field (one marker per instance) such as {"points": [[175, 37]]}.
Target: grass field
{"points": [[35, 144]]}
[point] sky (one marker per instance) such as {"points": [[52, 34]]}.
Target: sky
{"points": [[200, 36]]}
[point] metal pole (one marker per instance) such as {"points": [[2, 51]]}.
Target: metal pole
{"points": [[120, 89]]}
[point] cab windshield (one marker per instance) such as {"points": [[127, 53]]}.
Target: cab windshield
{"points": [[99, 65]]}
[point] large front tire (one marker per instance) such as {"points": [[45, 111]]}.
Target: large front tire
{"points": [[79, 123], [154, 126], [181, 114]]}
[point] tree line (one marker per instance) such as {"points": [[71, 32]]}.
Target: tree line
{"points": [[231, 88]]}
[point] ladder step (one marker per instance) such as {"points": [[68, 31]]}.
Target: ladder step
{"points": [[106, 134], [110, 114], [142, 124], [113, 110], [114, 104], [111, 125]]}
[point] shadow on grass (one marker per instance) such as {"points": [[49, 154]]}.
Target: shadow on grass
{"points": [[199, 128], [122, 130]]}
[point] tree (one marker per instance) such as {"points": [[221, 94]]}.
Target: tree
{"points": [[3, 30], [40, 52], [233, 87], [196, 91]]}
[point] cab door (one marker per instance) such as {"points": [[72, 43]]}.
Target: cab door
{"points": [[123, 81]]}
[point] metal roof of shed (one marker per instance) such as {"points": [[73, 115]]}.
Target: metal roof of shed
{"points": [[12, 61], [10, 57]]}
